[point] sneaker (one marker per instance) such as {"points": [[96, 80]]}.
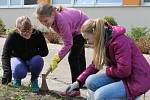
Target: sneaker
{"points": [[16, 83], [35, 86], [73, 93]]}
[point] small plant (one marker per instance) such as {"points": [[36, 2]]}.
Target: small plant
{"points": [[137, 32], [110, 20], [2, 27]]}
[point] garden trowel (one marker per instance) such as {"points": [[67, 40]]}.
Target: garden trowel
{"points": [[44, 87]]}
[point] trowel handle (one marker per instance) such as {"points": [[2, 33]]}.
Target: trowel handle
{"points": [[49, 70]]}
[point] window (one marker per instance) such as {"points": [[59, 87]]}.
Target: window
{"points": [[108, 1], [61, 1], [85, 2], [146, 0], [15, 2], [3, 2], [30, 2]]}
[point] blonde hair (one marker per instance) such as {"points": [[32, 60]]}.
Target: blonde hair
{"points": [[96, 27], [23, 23], [44, 10]]}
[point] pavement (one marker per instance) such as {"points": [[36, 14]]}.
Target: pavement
{"points": [[61, 77]]}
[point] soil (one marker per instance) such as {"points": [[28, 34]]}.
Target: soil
{"points": [[8, 92]]}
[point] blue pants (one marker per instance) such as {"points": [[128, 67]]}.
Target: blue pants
{"points": [[20, 68], [105, 87]]}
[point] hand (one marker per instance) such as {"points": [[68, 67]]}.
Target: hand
{"points": [[72, 87], [54, 62]]}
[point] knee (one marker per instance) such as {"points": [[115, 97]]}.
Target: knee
{"points": [[90, 84], [37, 61], [19, 72], [100, 95]]}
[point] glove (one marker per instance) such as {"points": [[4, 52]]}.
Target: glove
{"points": [[53, 63], [72, 87]]}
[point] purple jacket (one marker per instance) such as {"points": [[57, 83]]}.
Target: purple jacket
{"points": [[68, 23], [127, 64]]}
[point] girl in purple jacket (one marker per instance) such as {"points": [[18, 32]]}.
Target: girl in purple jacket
{"points": [[127, 72], [67, 23]]}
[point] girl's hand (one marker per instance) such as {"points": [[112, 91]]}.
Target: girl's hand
{"points": [[72, 87]]}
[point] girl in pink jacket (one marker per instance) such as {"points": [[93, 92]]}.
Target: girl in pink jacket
{"points": [[67, 23], [127, 74]]}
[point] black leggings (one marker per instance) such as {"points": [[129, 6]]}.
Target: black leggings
{"points": [[76, 57]]}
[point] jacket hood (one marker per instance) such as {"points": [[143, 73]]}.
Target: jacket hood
{"points": [[117, 31]]}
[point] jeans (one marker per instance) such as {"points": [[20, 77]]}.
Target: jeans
{"points": [[20, 68], [105, 87]]}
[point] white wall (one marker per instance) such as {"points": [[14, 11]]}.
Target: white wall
{"points": [[126, 16], [9, 15]]}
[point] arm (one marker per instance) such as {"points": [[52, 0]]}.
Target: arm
{"points": [[123, 60], [67, 38], [42, 46], [6, 55], [88, 71]]}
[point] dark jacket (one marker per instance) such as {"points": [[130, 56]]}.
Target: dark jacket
{"points": [[17, 46]]}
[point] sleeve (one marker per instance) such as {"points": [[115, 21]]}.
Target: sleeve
{"points": [[6, 55], [123, 60], [42, 45], [88, 71], [66, 35]]}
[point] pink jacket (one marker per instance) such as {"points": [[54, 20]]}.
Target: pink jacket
{"points": [[68, 23], [127, 64]]}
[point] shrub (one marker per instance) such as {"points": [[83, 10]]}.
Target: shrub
{"points": [[137, 32], [8, 30], [52, 37], [144, 44], [2, 27], [49, 34], [110, 20]]}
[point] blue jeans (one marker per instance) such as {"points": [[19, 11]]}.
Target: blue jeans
{"points": [[20, 68], [105, 87]]}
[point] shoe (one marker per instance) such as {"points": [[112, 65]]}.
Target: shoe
{"points": [[16, 83], [73, 93], [35, 86]]}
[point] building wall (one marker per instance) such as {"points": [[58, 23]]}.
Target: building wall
{"points": [[126, 16]]}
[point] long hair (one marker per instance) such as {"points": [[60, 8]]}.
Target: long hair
{"points": [[96, 27]]}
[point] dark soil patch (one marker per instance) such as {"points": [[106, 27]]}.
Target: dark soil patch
{"points": [[8, 92]]}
